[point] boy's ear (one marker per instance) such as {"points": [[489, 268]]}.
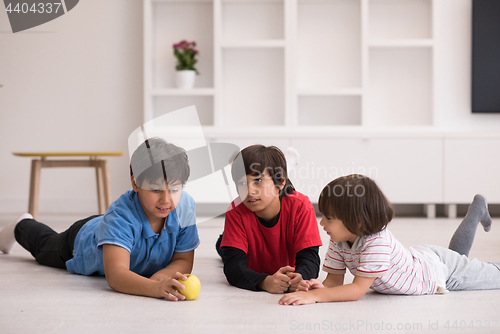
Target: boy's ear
{"points": [[283, 182], [134, 184]]}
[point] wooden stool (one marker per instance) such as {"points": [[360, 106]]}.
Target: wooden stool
{"points": [[100, 165]]}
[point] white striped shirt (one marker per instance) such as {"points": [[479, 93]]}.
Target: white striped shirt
{"points": [[398, 270]]}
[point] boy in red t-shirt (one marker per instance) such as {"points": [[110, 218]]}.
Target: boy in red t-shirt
{"points": [[270, 242]]}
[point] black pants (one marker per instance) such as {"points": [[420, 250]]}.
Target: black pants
{"points": [[217, 246], [46, 245]]}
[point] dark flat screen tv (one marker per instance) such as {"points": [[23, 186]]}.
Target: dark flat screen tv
{"points": [[486, 56]]}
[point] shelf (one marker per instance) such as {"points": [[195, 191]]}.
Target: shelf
{"points": [[252, 20], [329, 44], [331, 92], [253, 44], [400, 19], [183, 92], [204, 106], [252, 89], [401, 43], [329, 110]]}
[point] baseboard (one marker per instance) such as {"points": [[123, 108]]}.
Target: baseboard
{"points": [[401, 210], [89, 205]]}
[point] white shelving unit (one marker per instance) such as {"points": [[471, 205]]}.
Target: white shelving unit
{"points": [[295, 63], [349, 82]]}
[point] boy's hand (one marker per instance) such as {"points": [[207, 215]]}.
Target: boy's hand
{"points": [[310, 285], [295, 280], [159, 276], [303, 286], [298, 298], [277, 283], [167, 287]]}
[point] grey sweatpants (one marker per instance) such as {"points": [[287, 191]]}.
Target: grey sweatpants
{"points": [[467, 274]]}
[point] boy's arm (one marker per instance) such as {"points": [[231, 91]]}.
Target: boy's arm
{"points": [[120, 278], [330, 281], [180, 263], [342, 293], [239, 275], [237, 272], [306, 239], [333, 280], [307, 264]]}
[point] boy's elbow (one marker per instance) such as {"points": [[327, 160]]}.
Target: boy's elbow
{"points": [[352, 292], [229, 277], [359, 293], [357, 297], [353, 297], [111, 282], [113, 279]]}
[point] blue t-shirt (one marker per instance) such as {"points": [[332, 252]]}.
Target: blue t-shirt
{"points": [[125, 224]]}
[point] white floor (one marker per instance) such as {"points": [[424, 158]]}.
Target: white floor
{"points": [[38, 299]]}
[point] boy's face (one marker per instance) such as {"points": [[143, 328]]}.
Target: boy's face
{"points": [[337, 230], [158, 199], [260, 195]]}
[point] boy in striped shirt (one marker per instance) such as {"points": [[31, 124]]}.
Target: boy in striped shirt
{"points": [[355, 216]]}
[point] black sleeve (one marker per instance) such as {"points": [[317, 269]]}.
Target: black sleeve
{"points": [[307, 262], [237, 271]]}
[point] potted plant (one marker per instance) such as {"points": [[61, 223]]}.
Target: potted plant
{"points": [[185, 53]]}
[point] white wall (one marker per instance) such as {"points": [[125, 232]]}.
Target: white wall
{"points": [[72, 84], [76, 84]]}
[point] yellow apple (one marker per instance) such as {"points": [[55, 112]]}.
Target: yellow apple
{"points": [[191, 287]]}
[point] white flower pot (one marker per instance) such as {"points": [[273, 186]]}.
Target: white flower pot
{"points": [[185, 79]]}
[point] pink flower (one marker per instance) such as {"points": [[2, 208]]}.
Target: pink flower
{"points": [[184, 45], [186, 54]]}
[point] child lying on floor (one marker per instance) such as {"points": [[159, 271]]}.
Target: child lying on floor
{"points": [[271, 237], [144, 242], [355, 216]]}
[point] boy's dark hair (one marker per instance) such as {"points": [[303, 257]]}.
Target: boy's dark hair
{"points": [[358, 202], [256, 159], [156, 159]]}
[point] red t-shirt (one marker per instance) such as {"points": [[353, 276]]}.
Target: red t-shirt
{"points": [[269, 249]]}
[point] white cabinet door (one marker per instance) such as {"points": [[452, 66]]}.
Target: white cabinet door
{"points": [[471, 166], [407, 170], [410, 170]]}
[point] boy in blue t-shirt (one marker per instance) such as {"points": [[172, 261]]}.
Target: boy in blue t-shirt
{"points": [[143, 243]]}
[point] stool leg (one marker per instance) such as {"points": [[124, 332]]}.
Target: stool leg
{"points": [[100, 197], [106, 186], [36, 166]]}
